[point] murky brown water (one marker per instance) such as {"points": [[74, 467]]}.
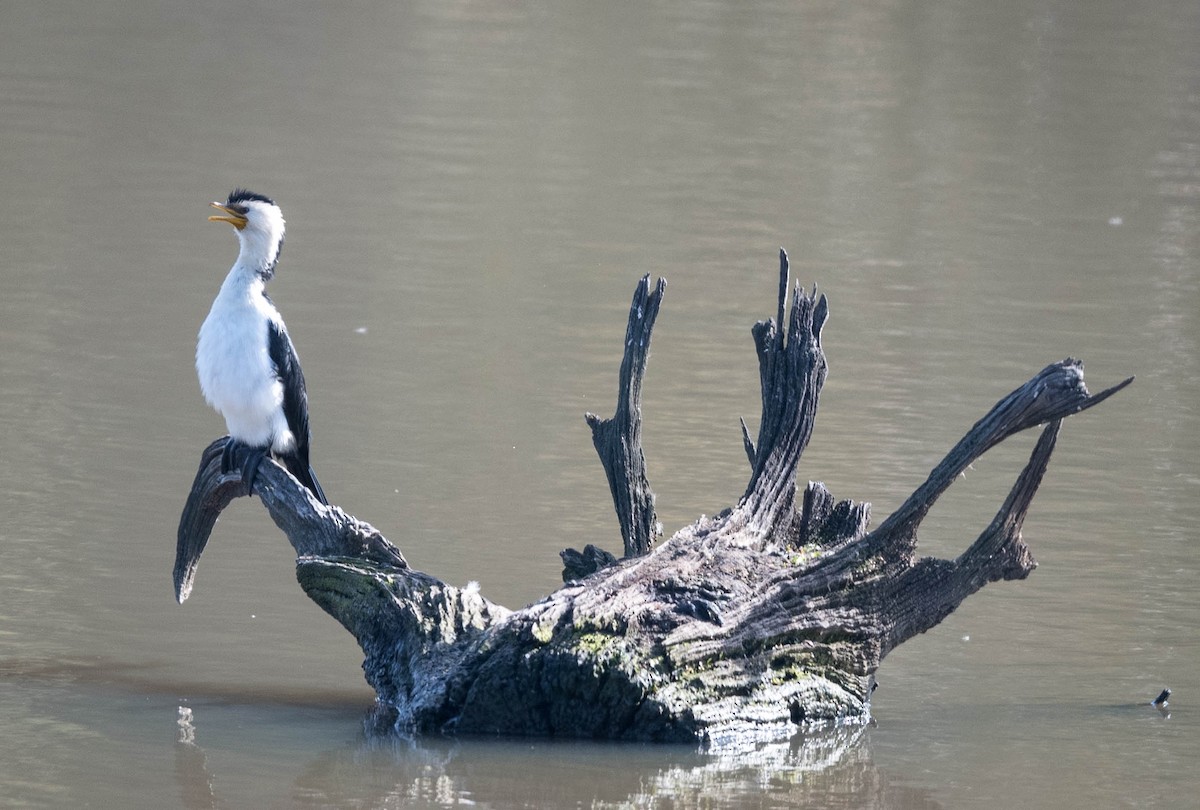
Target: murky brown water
{"points": [[472, 191]]}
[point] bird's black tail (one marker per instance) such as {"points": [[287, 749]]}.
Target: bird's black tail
{"points": [[305, 475]]}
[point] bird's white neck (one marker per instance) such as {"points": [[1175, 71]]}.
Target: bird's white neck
{"points": [[259, 250], [244, 279]]}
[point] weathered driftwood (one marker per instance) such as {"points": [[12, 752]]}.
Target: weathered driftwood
{"points": [[775, 613]]}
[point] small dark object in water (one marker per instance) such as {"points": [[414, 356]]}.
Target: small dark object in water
{"points": [[1161, 700]]}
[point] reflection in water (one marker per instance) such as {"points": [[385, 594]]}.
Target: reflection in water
{"points": [[191, 767], [829, 769], [832, 767]]}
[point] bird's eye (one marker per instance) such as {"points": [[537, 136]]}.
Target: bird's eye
{"points": [[240, 208]]}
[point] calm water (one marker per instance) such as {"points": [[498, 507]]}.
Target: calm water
{"points": [[472, 191]]}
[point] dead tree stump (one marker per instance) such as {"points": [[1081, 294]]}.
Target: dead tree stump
{"points": [[775, 613]]}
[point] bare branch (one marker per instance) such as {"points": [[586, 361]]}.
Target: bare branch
{"points": [[618, 440]]}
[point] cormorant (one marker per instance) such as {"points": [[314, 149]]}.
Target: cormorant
{"points": [[247, 365]]}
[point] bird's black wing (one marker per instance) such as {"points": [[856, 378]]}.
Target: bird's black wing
{"points": [[295, 404]]}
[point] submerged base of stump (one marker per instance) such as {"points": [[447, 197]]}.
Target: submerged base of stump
{"points": [[772, 615]]}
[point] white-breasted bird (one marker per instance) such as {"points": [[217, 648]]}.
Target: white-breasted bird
{"points": [[247, 365]]}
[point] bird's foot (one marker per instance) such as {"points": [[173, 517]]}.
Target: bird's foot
{"points": [[254, 457], [227, 455]]}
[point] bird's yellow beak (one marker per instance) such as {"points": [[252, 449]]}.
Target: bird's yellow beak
{"points": [[232, 217]]}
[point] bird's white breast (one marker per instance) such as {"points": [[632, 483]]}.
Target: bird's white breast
{"points": [[234, 365]]}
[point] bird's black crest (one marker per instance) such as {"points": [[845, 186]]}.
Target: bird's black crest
{"points": [[241, 195]]}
